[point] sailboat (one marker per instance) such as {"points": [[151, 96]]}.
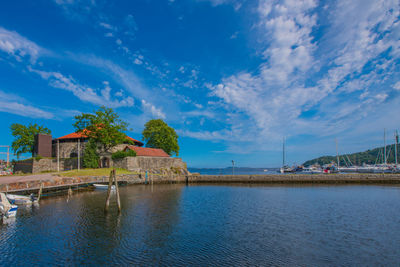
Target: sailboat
{"points": [[285, 168]]}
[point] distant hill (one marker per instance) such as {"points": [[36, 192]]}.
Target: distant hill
{"points": [[368, 157]]}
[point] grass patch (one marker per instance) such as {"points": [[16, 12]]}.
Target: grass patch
{"points": [[93, 172]]}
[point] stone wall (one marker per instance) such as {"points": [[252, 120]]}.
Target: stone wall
{"points": [[68, 149], [45, 165], [24, 166], [138, 164], [149, 163]]}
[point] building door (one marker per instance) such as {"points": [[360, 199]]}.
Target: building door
{"points": [[105, 163]]}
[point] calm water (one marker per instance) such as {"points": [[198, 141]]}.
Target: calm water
{"points": [[214, 225]]}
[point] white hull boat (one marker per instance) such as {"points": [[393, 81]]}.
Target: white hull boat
{"points": [[103, 186], [6, 209], [21, 200], [286, 169]]}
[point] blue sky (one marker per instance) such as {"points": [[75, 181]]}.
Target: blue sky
{"points": [[232, 77]]}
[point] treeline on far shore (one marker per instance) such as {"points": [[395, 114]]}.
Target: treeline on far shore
{"points": [[373, 156]]}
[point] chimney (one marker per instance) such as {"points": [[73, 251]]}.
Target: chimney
{"points": [[42, 145]]}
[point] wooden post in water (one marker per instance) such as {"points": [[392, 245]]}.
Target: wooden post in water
{"points": [[117, 191], [40, 191], [110, 180], [69, 193]]}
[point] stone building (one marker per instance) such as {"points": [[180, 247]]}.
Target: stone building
{"points": [[66, 148], [68, 145]]}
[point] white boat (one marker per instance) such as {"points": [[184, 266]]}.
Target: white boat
{"points": [[6, 209], [103, 186], [21, 200], [311, 170], [286, 169]]}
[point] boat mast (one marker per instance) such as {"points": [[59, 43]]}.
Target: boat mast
{"points": [[396, 139], [283, 153], [384, 143], [337, 154]]}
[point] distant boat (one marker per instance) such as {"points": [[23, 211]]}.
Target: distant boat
{"points": [[6, 209], [285, 168], [103, 186], [330, 169], [311, 170], [265, 170], [21, 200]]}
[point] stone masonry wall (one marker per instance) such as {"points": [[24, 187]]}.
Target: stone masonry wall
{"points": [[149, 163], [45, 165], [68, 148]]}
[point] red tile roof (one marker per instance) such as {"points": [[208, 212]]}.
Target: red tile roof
{"points": [[73, 136], [134, 140], [147, 152], [82, 135]]}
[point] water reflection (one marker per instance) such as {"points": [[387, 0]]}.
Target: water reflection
{"points": [[210, 225]]}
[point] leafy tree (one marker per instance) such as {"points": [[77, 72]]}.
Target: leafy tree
{"points": [[90, 157], [104, 127], [25, 137], [157, 134]]}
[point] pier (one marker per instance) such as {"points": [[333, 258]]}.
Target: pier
{"points": [[53, 182]]}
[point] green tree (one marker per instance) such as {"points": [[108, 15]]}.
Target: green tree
{"points": [[25, 137], [104, 127], [90, 156], [157, 134]]}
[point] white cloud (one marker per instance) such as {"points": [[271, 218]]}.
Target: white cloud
{"points": [[131, 25], [137, 61], [397, 86], [276, 95], [234, 35], [156, 112], [18, 46], [199, 113], [76, 9], [10, 103], [83, 92], [107, 26]]}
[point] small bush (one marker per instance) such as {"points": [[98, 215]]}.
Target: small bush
{"points": [[38, 157], [123, 154]]}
